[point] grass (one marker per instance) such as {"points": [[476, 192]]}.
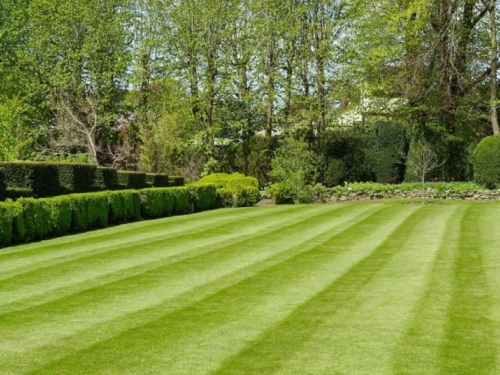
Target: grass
{"points": [[360, 288]]}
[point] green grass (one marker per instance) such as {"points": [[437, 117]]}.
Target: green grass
{"points": [[361, 288]]}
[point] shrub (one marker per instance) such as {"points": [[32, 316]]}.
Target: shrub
{"points": [[280, 194], [36, 219], [176, 181], [242, 182], [157, 180], [487, 162], [3, 185], [76, 178], [182, 203], [132, 180], [124, 206], [247, 196], [7, 211], [225, 198], [40, 178], [106, 178], [154, 203], [203, 197]]}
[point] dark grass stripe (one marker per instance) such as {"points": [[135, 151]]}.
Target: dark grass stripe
{"points": [[274, 347], [469, 345], [228, 304]]}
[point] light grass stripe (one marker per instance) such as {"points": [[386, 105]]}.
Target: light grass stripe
{"points": [[201, 263], [192, 335]]}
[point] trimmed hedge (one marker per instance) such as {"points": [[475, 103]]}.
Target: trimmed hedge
{"points": [[132, 180], [3, 185], [41, 178], [157, 180], [176, 181], [30, 219], [233, 190], [106, 178], [76, 178], [487, 162]]}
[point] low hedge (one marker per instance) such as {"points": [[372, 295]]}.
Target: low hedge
{"points": [[132, 180], [30, 219], [233, 190], [157, 180], [106, 178]]}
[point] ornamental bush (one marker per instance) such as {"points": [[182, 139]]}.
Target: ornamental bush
{"points": [[40, 178], [3, 185], [486, 162], [176, 181], [76, 178], [233, 189]]}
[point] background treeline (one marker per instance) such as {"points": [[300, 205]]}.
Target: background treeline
{"points": [[183, 86]]}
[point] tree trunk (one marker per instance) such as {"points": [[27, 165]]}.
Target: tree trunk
{"points": [[270, 94], [494, 69]]}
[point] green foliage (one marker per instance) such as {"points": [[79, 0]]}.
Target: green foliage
{"points": [[36, 217], [107, 178], [233, 189], [3, 185], [7, 211], [345, 157], [41, 178], [293, 167], [281, 194], [204, 197], [157, 180], [76, 178], [156, 203], [182, 199], [252, 157], [487, 162], [175, 181], [132, 180]]}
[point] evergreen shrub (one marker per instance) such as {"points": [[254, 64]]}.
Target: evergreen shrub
{"points": [[176, 181], [132, 180], [40, 178], [106, 178], [157, 180], [487, 162], [76, 178]]}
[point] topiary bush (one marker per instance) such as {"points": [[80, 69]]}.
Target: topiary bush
{"points": [[203, 197], [233, 189], [7, 213], [486, 161], [40, 178], [3, 185], [176, 181]]}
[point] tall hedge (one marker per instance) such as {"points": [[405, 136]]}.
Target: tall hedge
{"points": [[176, 181], [132, 180], [40, 178], [157, 180], [76, 178], [106, 178], [487, 162], [3, 185]]}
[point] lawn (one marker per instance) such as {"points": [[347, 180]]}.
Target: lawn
{"points": [[360, 288]]}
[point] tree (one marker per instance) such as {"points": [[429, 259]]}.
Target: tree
{"points": [[494, 70], [421, 160]]}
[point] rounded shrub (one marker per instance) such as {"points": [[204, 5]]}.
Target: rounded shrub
{"points": [[486, 162]]}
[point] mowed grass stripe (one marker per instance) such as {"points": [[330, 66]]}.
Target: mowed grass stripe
{"points": [[91, 299], [269, 353], [53, 252], [189, 341], [469, 345], [361, 335], [113, 259], [419, 347]]}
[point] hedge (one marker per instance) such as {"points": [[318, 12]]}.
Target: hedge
{"points": [[106, 178], [40, 178], [76, 178], [3, 185], [487, 162], [176, 181], [132, 180], [30, 219], [157, 180], [233, 190]]}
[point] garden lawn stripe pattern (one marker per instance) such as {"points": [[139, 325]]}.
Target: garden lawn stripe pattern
{"points": [[362, 288]]}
